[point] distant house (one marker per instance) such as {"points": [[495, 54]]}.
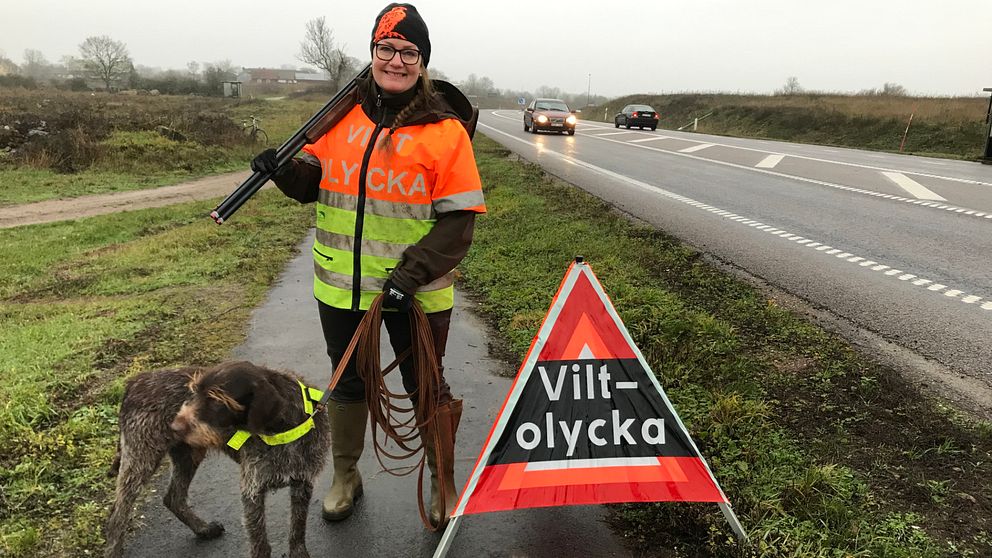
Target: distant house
{"points": [[269, 80]]}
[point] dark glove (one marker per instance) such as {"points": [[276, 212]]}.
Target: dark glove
{"points": [[267, 162], [395, 297]]}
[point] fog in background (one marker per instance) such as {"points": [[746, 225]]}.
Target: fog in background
{"points": [[612, 48]]}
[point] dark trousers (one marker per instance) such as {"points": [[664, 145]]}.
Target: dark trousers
{"points": [[339, 327]]}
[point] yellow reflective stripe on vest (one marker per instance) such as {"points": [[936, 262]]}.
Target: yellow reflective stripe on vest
{"points": [[337, 297], [309, 396], [374, 227]]}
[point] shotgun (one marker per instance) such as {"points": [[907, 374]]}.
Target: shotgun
{"points": [[317, 126]]}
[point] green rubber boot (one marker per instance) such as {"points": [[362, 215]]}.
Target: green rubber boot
{"points": [[347, 442]]}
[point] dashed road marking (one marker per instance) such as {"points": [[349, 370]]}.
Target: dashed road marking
{"points": [[881, 268], [642, 140], [770, 161], [831, 161], [695, 148], [914, 188], [922, 203]]}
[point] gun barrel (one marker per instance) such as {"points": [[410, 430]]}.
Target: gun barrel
{"points": [[319, 123]]}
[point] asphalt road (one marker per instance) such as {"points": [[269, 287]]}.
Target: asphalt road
{"points": [[892, 250], [285, 334]]}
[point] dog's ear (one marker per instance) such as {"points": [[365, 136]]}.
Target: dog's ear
{"points": [[266, 409]]}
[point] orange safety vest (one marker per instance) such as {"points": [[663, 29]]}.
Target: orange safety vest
{"points": [[373, 205]]}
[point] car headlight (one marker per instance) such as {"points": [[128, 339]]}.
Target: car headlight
{"points": [[571, 119], [542, 119]]}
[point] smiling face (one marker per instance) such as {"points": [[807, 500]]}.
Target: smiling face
{"points": [[394, 76]]}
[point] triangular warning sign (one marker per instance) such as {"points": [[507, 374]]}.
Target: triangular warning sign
{"points": [[586, 421]]}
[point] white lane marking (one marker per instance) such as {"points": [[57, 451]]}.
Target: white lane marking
{"points": [[914, 188], [614, 133], [884, 269], [649, 139], [789, 176], [820, 160], [770, 161], [695, 148]]}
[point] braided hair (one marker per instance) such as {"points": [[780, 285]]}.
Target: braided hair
{"points": [[424, 99]]}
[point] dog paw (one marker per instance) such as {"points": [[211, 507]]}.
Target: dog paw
{"points": [[212, 531], [298, 552]]}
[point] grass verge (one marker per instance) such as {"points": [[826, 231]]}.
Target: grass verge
{"points": [[823, 452], [952, 127], [85, 304]]}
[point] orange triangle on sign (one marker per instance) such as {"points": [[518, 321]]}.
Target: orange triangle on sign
{"points": [[586, 343]]}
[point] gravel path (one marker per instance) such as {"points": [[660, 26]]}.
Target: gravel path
{"points": [[101, 204]]}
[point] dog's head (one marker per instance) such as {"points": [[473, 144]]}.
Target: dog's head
{"points": [[228, 397]]}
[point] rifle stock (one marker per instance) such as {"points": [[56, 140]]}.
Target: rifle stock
{"points": [[322, 121]]}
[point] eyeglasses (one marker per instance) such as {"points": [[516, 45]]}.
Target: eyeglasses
{"points": [[386, 53]]}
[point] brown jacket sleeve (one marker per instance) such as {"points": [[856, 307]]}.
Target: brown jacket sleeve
{"points": [[299, 180], [437, 253]]}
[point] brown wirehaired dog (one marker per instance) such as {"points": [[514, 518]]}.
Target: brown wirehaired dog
{"points": [[186, 412]]}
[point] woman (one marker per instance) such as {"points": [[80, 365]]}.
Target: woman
{"points": [[397, 191]]}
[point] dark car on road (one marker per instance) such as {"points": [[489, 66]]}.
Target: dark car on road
{"points": [[552, 115], [641, 116]]}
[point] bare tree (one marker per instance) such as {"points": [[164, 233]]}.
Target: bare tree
{"points": [[791, 87], [106, 59], [480, 86], [318, 49], [214, 74], [893, 89], [35, 65]]}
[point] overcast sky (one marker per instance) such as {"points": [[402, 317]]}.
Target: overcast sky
{"points": [[615, 47]]}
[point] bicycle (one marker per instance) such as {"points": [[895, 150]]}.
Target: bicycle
{"points": [[253, 131]]}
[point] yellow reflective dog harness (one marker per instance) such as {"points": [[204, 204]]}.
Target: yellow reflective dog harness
{"points": [[309, 396]]}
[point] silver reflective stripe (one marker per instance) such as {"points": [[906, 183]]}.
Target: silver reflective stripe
{"points": [[310, 159], [342, 281], [383, 208], [441, 282], [456, 202], [369, 247], [338, 200]]}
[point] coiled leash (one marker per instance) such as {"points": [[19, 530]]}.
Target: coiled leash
{"points": [[399, 422]]}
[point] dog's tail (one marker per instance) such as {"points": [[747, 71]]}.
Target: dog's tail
{"points": [[115, 466]]}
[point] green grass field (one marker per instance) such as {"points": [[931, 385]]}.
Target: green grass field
{"points": [[823, 452]]}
